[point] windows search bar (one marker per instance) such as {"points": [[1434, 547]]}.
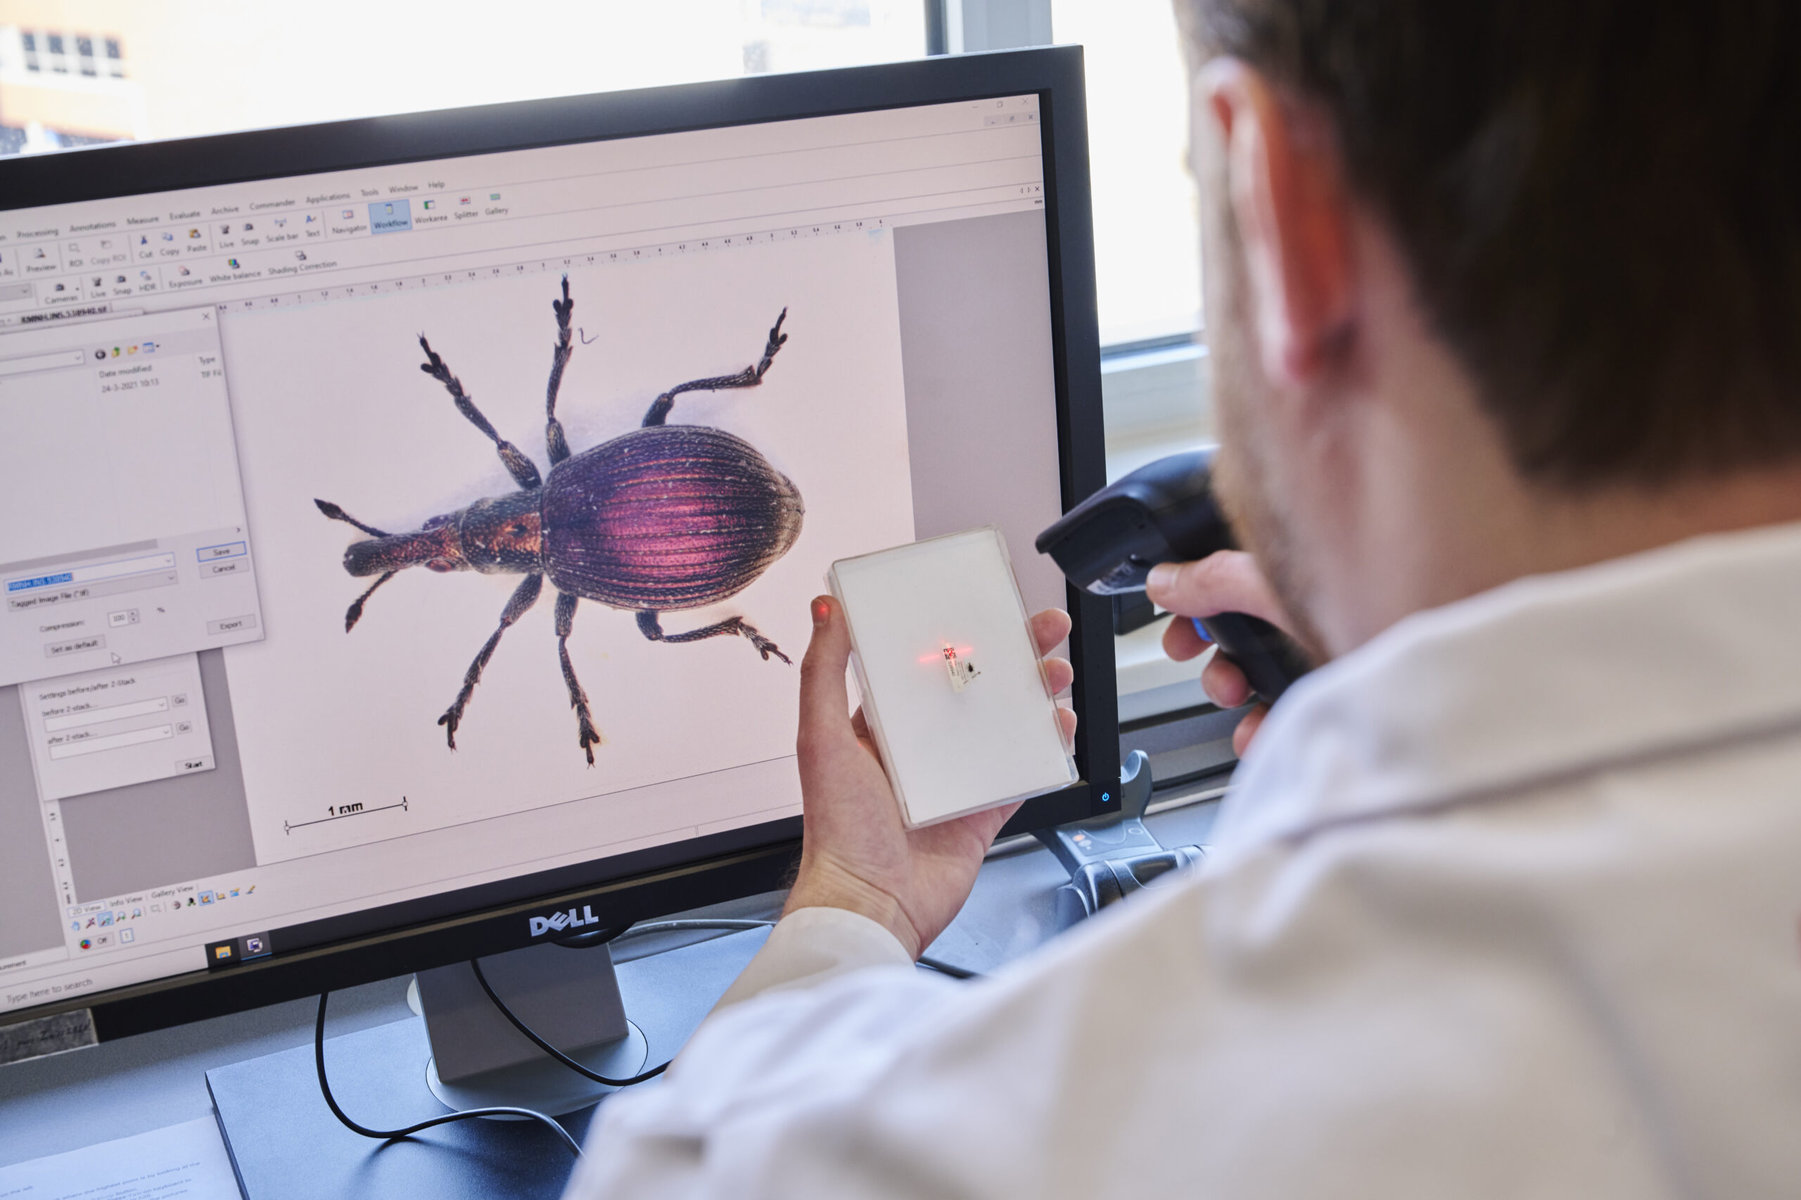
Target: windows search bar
{"points": [[42, 362]]}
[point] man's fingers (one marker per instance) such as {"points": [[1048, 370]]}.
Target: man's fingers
{"points": [[1224, 683], [824, 696], [1067, 719], [1247, 729], [1049, 628], [1181, 641], [1058, 674], [1227, 581]]}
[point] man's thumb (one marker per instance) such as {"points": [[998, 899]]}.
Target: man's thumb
{"points": [[824, 698]]}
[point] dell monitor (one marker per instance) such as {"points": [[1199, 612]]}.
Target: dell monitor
{"points": [[409, 522]]}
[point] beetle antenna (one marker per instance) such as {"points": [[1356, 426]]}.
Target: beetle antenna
{"points": [[337, 514], [354, 613]]}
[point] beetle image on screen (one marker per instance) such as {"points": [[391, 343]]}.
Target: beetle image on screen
{"points": [[663, 518]]}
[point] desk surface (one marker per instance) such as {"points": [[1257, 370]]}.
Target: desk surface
{"points": [[137, 1084]]}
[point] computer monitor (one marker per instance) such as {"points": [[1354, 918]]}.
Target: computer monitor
{"points": [[326, 655]]}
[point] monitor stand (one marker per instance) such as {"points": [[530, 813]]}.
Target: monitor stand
{"points": [[569, 997]]}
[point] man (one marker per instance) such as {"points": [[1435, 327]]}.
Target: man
{"points": [[1505, 303]]}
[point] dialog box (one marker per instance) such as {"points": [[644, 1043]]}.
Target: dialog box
{"points": [[126, 538], [103, 729]]}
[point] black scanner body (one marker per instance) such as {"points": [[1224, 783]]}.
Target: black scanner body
{"points": [[1165, 512]]}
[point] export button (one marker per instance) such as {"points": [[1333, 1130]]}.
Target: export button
{"points": [[231, 625]]}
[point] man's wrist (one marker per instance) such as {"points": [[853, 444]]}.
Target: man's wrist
{"points": [[822, 883]]}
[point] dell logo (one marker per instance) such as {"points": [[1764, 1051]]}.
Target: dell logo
{"points": [[560, 921]]}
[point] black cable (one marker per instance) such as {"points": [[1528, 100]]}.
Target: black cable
{"points": [[540, 1043], [388, 1135]]}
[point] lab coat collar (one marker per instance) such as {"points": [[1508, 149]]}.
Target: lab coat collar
{"points": [[1548, 677]]}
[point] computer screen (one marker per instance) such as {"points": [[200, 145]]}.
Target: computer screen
{"points": [[393, 539]]}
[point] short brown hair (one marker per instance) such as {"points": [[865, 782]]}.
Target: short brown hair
{"points": [[1598, 200]]}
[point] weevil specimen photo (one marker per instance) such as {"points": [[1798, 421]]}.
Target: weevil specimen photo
{"points": [[664, 518]]}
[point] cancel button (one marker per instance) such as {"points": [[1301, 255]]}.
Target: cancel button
{"points": [[231, 625]]}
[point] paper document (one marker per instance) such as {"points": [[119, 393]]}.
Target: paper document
{"points": [[182, 1162]]}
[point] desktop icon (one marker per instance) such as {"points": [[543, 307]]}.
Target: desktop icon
{"points": [[106, 919], [387, 210], [232, 263], [253, 945], [249, 227], [300, 255], [281, 222], [97, 281], [310, 218], [75, 925], [142, 274], [143, 239], [37, 254], [465, 200], [185, 271], [493, 195], [136, 912], [115, 355], [190, 902], [87, 943], [225, 229], [431, 204], [168, 237], [349, 214], [59, 288], [234, 893], [119, 279], [150, 348], [106, 243], [92, 921], [221, 952], [131, 349], [206, 897], [193, 234]]}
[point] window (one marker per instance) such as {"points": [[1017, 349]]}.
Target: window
{"points": [[396, 62]]}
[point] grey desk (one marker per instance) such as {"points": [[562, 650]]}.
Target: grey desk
{"points": [[158, 1079]]}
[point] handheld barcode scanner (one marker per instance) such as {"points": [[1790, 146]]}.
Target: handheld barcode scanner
{"points": [[1165, 512]]}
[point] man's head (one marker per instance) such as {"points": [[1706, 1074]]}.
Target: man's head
{"points": [[1512, 269]]}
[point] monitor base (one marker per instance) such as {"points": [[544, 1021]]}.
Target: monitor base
{"points": [[545, 1085]]}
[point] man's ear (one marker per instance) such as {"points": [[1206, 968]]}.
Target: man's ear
{"points": [[1288, 197]]}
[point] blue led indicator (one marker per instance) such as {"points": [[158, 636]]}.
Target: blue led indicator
{"points": [[1106, 797]]}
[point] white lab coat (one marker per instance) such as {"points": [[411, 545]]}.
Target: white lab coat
{"points": [[1506, 903]]}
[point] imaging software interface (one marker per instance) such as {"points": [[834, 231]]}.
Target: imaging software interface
{"points": [[307, 608]]}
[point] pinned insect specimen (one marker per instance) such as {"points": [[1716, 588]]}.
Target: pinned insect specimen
{"points": [[663, 518]]}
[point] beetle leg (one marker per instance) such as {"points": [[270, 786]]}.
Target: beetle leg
{"points": [[578, 698], [556, 443], [524, 473], [651, 628], [524, 596], [748, 377]]}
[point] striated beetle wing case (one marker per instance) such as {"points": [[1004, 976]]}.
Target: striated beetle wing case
{"points": [[666, 517]]}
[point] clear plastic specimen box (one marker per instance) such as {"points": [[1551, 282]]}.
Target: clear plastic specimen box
{"points": [[951, 683]]}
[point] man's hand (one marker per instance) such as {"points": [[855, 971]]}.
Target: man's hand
{"points": [[1227, 581], [855, 853]]}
